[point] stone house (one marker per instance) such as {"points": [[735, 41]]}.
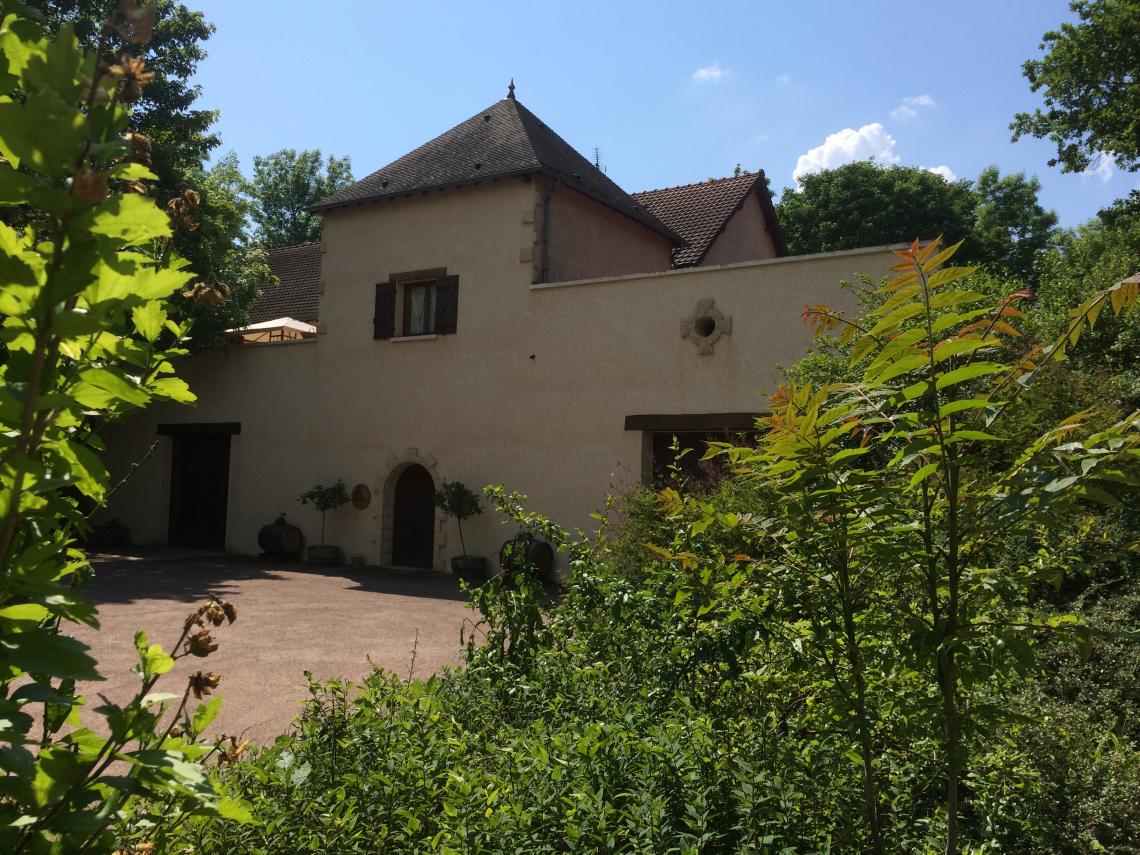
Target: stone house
{"points": [[489, 308]]}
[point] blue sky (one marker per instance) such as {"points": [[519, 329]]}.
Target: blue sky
{"points": [[670, 92]]}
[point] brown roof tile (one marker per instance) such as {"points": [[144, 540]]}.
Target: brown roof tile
{"points": [[504, 140], [297, 296], [700, 212]]}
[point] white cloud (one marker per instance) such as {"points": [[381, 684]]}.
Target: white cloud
{"points": [[943, 170], [1101, 167], [908, 108], [783, 79], [709, 74], [848, 146]]}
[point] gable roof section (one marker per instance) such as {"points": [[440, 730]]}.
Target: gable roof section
{"points": [[700, 212], [297, 295], [502, 141]]}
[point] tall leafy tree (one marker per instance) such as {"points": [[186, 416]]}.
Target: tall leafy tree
{"points": [[179, 138], [181, 133], [867, 204], [1090, 78], [1010, 227], [285, 184]]}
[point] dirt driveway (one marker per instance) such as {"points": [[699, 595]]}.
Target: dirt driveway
{"points": [[291, 618]]}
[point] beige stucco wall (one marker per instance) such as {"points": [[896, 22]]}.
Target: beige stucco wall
{"points": [[531, 392], [588, 239], [744, 238]]}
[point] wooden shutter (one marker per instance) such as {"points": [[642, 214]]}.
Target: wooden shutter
{"points": [[384, 321], [447, 305]]}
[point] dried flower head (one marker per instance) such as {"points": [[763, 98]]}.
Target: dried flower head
{"points": [[140, 143], [89, 186], [211, 611], [202, 684], [230, 610], [208, 295], [201, 643], [231, 752], [134, 21], [132, 72]]}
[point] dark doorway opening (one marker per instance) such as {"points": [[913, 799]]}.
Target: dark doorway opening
{"points": [[413, 519], [199, 491]]}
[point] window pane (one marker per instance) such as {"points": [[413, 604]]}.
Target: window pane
{"points": [[421, 310], [416, 314]]}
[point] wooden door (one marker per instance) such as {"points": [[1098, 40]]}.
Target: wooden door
{"points": [[413, 519], [199, 491]]}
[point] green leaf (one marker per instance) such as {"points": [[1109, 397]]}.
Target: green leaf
{"points": [[132, 219], [149, 319], [205, 715], [153, 661], [923, 473], [235, 810], [30, 613], [132, 172], [56, 771], [968, 372], [43, 651], [1059, 484], [968, 435], [99, 388], [174, 389]]}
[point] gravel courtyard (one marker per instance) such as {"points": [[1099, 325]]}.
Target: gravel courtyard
{"points": [[291, 618]]}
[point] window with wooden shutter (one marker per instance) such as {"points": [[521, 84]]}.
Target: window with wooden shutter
{"points": [[447, 305], [384, 321]]}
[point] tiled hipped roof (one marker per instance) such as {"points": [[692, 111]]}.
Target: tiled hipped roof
{"points": [[502, 141], [700, 212], [298, 294]]}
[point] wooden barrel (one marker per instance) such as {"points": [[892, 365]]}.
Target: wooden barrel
{"points": [[291, 541], [267, 537], [280, 538], [541, 555]]}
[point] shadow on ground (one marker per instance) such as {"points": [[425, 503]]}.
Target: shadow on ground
{"points": [[190, 577]]}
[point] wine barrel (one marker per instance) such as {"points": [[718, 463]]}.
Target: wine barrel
{"points": [[291, 541], [280, 539], [541, 555]]}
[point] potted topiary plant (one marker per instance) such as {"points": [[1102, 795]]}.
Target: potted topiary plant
{"points": [[457, 501], [324, 499]]}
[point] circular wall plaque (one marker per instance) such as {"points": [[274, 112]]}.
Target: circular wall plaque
{"points": [[361, 497]]}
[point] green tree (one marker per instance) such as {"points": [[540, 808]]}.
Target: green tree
{"points": [[87, 331], [1010, 228], [181, 134], [179, 137], [1090, 76], [284, 185], [235, 262], [867, 204]]}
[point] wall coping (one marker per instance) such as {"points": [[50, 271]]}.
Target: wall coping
{"points": [[739, 265]]}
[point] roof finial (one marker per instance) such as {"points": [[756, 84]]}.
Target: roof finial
{"points": [[511, 90]]}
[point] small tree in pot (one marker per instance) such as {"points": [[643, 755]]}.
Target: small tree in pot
{"points": [[457, 501], [324, 499]]}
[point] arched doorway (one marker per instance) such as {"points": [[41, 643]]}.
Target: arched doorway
{"points": [[413, 519]]}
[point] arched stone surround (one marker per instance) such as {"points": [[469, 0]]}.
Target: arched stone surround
{"points": [[386, 488]]}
